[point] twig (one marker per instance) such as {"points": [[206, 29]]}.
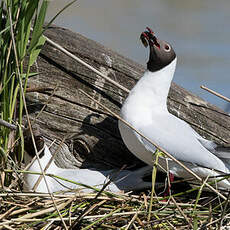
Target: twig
{"points": [[224, 212], [134, 217], [47, 102], [85, 64], [215, 93], [49, 163], [102, 218], [154, 174], [7, 213], [181, 212], [46, 210], [157, 146], [198, 196], [88, 207], [8, 125], [8, 227]]}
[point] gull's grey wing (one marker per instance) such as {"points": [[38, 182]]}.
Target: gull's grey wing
{"points": [[221, 151], [179, 139]]}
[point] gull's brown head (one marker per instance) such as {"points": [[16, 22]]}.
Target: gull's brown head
{"points": [[161, 52]]}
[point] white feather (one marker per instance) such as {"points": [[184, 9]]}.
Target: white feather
{"points": [[146, 110], [121, 180]]}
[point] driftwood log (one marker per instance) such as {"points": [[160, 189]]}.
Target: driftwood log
{"points": [[90, 135]]}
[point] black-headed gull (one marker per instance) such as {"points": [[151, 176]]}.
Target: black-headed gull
{"points": [[146, 110], [122, 180]]}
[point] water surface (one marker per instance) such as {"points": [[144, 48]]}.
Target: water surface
{"points": [[198, 30]]}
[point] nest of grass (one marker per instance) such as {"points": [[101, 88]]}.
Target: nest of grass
{"points": [[182, 210]]}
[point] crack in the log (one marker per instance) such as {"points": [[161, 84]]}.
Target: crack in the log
{"points": [[112, 67], [82, 81], [90, 63], [77, 103]]}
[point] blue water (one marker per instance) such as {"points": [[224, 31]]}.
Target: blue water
{"points": [[198, 30]]}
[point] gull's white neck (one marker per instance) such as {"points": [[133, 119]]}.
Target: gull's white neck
{"points": [[150, 92], [156, 85]]}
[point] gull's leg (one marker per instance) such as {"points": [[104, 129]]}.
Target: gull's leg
{"points": [[171, 179]]}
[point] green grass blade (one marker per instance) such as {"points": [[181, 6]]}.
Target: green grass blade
{"points": [[29, 13], [36, 50], [6, 29], [154, 174], [38, 27], [23, 76]]}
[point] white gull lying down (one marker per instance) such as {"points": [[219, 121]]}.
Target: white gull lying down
{"points": [[123, 180]]}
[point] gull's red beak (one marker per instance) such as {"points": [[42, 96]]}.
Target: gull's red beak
{"points": [[148, 38]]}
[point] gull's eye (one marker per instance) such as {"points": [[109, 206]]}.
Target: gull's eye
{"points": [[167, 47]]}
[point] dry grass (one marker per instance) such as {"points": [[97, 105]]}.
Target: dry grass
{"points": [[185, 210]]}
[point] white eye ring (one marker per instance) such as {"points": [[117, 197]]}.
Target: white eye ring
{"points": [[167, 48]]}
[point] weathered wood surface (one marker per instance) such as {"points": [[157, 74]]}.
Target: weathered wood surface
{"points": [[95, 140]]}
